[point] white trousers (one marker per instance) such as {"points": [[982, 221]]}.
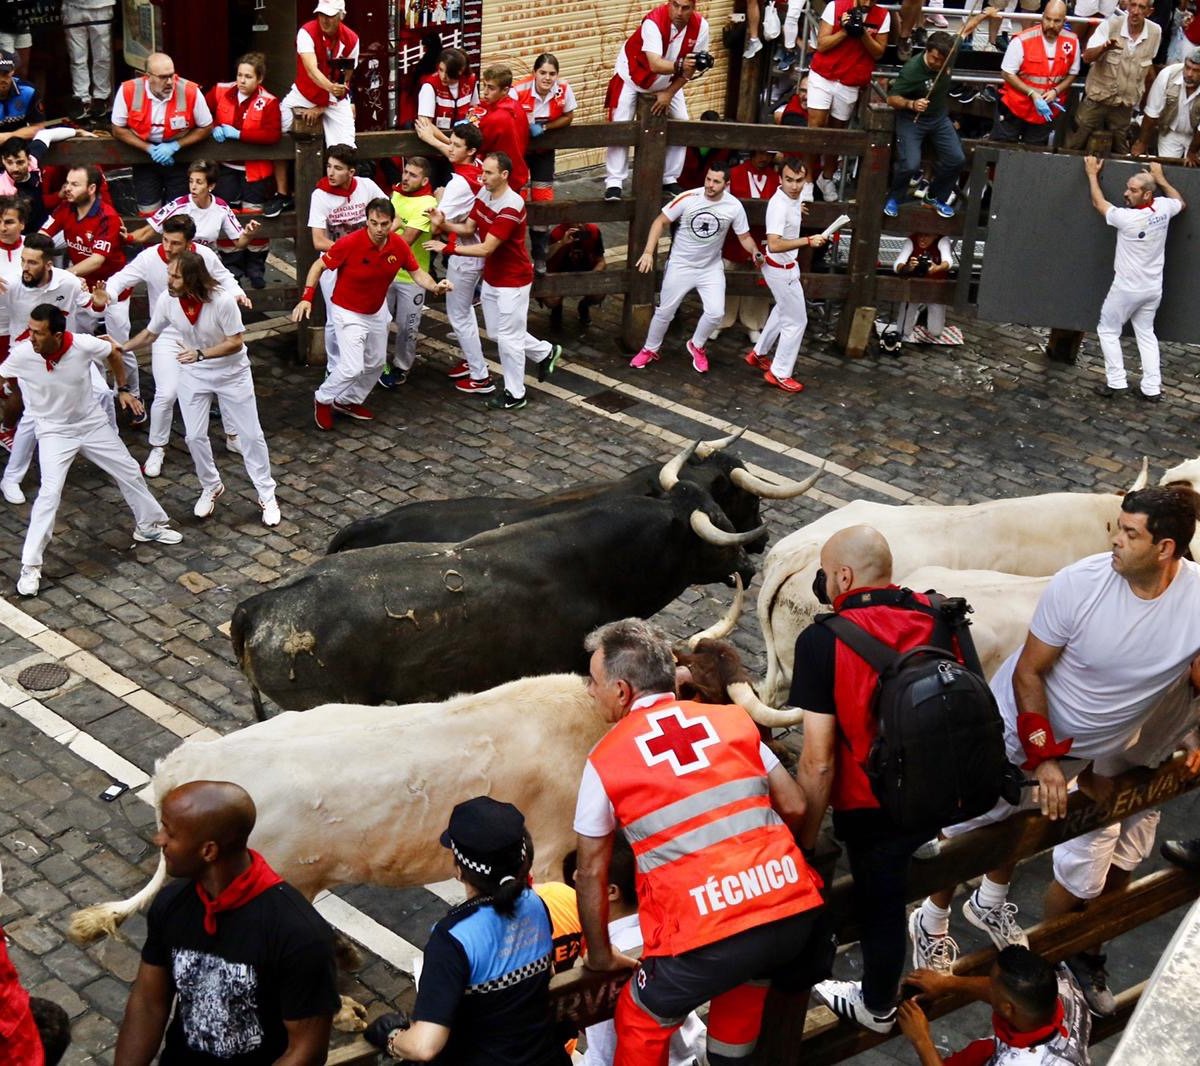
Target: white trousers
{"points": [[362, 341], [1138, 308], [1173, 145], [788, 321], [97, 36], [791, 22], [165, 366], [678, 281], [935, 317], [337, 120], [616, 160], [406, 304], [116, 325], [229, 381], [463, 271], [332, 349], [25, 437], [505, 313], [97, 442]]}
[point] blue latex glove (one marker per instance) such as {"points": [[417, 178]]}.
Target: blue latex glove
{"points": [[230, 133], [164, 153], [218, 134], [536, 129], [1042, 108]]}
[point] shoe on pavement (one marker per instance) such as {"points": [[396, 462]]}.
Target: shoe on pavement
{"points": [[1108, 392], [613, 192], [891, 207], [392, 377], [942, 207], [548, 365], [482, 386], [1185, 853], [461, 369], [699, 358], [12, 492], [1089, 971], [844, 998], [506, 401], [827, 188], [270, 512], [1000, 923], [759, 362], [159, 534], [277, 205], [643, 359], [153, 465], [353, 410], [930, 952], [207, 502], [1151, 397], [30, 581], [787, 384], [753, 47], [323, 415], [233, 445]]}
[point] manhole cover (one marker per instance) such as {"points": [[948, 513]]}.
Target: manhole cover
{"points": [[612, 401], [41, 677]]}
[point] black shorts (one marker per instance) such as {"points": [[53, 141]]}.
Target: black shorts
{"points": [[235, 190], [154, 186], [1009, 129], [541, 167]]}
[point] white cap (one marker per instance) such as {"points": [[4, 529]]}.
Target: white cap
{"points": [[330, 7]]}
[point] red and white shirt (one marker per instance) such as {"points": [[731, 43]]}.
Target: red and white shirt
{"points": [[10, 273], [97, 233], [365, 272], [509, 266], [213, 222]]}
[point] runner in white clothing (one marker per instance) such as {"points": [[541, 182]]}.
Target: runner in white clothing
{"points": [[215, 364], [52, 369], [151, 268], [1137, 274], [789, 316], [704, 215]]}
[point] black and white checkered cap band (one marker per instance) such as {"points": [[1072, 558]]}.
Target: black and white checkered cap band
{"points": [[473, 864]]}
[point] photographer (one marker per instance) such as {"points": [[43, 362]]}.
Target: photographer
{"points": [[484, 993], [925, 255], [326, 54], [575, 248]]}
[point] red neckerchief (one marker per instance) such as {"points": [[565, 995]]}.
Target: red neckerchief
{"points": [[424, 190], [192, 306], [347, 191], [1014, 1038], [53, 360], [12, 247], [254, 881], [162, 252]]}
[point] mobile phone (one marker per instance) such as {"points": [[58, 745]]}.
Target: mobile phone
{"points": [[117, 788]]}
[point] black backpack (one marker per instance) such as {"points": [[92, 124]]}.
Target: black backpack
{"points": [[939, 757]]}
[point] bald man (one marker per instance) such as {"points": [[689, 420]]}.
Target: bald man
{"points": [[835, 687], [1038, 68], [244, 959]]}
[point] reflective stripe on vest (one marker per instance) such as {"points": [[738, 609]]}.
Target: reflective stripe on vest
{"points": [[140, 111], [528, 99], [691, 806], [1039, 71], [706, 836], [225, 109]]}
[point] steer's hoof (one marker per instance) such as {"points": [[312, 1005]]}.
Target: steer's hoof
{"points": [[351, 1018]]}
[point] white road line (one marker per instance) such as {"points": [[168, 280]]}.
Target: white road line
{"points": [[451, 891], [363, 929]]}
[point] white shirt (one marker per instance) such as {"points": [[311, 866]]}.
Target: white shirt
{"points": [[427, 98], [1101, 35], [1014, 55], [1141, 243], [687, 1043], [541, 104], [158, 113], [211, 221], [908, 250], [652, 42], [457, 200], [827, 18], [62, 400], [10, 274], [64, 290], [1120, 653], [783, 220], [305, 46], [703, 224], [150, 268], [339, 215], [219, 319], [1156, 99]]}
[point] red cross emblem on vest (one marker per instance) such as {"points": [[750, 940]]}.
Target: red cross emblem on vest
{"points": [[676, 739]]}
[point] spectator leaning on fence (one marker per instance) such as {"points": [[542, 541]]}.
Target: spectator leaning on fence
{"points": [[1038, 68], [159, 113], [1171, 117], [88, 27], [1121, 53], [326, 53]]}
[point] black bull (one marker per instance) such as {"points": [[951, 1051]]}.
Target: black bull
{"points": [[411, 623]]}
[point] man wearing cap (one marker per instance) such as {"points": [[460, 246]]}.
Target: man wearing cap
{"points": [[484, 997], [727, 899], [20, 109], [326, 53]]}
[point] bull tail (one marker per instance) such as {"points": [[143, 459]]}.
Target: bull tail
{"points": [[104, 919], [260, 713], [238, 626]]}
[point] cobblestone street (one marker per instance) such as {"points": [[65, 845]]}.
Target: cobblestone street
{"points": [[143, 629]]}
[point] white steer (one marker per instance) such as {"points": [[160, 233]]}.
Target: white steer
{"points": [[350, 795], [1184, 474]]}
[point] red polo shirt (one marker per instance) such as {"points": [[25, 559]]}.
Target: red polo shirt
{"points": [[97, 233], [20, 1044], [364, 271]]}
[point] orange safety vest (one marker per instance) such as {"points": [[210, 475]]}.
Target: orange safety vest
{"points": [[713, 857], [450, 109], [1039, 71], [181, 108], [523, 93], [260, 125]]}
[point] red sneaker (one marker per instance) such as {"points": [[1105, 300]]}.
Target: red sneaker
{"points": [[787, 384], [459, 370], [482, 386], [353, 410], [6, 438], [759, 362], [323, 415]]}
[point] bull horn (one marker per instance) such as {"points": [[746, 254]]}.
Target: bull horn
{"points": [[708, 447], [785, 489], [723, 627], [668, 476], [1143, 479], [743, 694], [706, 529]]}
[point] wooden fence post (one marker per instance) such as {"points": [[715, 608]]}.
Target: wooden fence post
{"points": [[648, 164], [856, 324], [306, 137]]}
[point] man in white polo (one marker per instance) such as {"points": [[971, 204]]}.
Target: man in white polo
{"points": [[1172, 113]]}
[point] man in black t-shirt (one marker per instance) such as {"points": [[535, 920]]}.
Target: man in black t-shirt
{"points": [[243, 957]]}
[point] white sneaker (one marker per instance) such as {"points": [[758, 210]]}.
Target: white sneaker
{"points": [[207, 502], [270, 512], [931, 952], [753, 47], [753, 334], [160, 534], [714, 334], [232, 444], [152, 467], [12, 492], [1000, 923], [827, 188], [844, 998], [30, 580]]}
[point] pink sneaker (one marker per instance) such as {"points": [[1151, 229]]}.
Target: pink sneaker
{"points": [[699, 358], [643, 359]]}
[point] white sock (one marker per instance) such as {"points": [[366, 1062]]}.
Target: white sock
{"points": [[791, 27], [989, 894], [935, 920]]}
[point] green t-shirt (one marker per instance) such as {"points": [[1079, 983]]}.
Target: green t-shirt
{"points": [[410, 210], [914, 82]]}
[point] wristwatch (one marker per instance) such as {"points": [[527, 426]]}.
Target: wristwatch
{"points": [[199, 356]]}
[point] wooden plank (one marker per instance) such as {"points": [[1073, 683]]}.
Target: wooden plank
{"points": [[648, 164], [816, 286], [584, 283], [918, 290], [598, 211], [916, 217], [791, 139]]}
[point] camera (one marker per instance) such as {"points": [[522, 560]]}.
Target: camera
{"points": [[855, 22], [924, 262], [704, 61], [341, 69]]}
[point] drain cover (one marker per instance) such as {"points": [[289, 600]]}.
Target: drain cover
{"points": [[612, 400], [41, 677]]}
